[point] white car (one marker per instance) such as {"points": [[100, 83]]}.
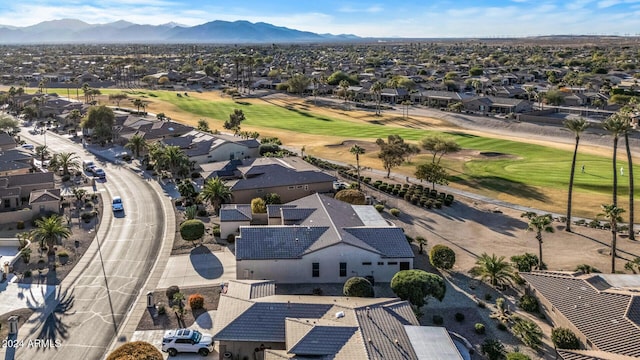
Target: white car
{"points": [[116, 204], [187, 340], [28, 146]]}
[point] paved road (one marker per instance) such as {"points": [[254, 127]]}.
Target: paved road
{"points": [[81, 319]]}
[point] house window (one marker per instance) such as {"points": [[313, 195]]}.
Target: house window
{"points": [[299, 187], [7, 203], [380, 262], [404, 265], [306, 187], [291, 187], [392, 263], [366, 263], [315, 269], [343, 269], [260, 190]]}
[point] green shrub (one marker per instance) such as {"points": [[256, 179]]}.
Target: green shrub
{"points": [[162, 309], [528, 303], [493, 349], [196, 301], [191, 230], [216, 230], [63, 254], [442, 257], [528, 332], [488, 296], [20, 225], [459, 317], [438, 320], [171, 291], [358, 287], [395, 212], [480, 328], [564, 338], [231, 238], [27, 273], [517, 356], [379, 207]]}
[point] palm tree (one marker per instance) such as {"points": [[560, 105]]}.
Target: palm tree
{"points": [[422, 242], [616, 125], [344, 86], [49, 230], [67, 160], [42, 151], [626, 117], [357, 151], [577, 126], [137, 103], [137, 143], [215, 192], [74, 117], [539, 223], [493, 269], [174, 157], [376, 89], [79, 193], [611, 213]]}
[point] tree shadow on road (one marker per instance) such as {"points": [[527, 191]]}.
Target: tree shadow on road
{"points": [[50, 315]]}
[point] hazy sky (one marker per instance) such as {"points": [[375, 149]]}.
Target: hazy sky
{"points": [[409, 18]]}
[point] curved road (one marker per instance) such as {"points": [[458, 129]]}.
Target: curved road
{"points": [[82, 319]]}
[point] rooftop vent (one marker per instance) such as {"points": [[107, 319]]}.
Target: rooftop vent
{"points": [[339, 314]]}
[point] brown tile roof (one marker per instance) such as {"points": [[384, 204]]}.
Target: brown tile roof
{"points": [[602, 316], [37, 196], [591, 355], [31, 178]]}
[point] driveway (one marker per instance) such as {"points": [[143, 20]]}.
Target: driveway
{"points": [[200, 267]]}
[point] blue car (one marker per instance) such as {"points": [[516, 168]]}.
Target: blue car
{"points": [[100, 173], [116, 204]]}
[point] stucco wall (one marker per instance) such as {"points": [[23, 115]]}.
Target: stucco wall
{"points": [[300, 270], [242, 349], [231, 227]]}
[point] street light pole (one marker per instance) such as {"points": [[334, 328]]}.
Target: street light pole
{"points": [[104, 273]]}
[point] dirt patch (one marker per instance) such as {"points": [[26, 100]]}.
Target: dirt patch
{"points": [[23, 316], [152, 320], [181, 246]]}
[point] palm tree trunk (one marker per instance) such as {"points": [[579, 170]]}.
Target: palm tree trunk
{"points": [[614, 246], [573, 171], [615, 172], [358, 169], [539, 238], [630, 161]]}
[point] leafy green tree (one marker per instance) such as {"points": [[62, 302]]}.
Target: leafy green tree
{"points": [[528, 332], [418, 285], [564, 338], [234, 121], [554, 97], [442, 257], [216, 192], [439, 146], [272, 198], [577, 127], [191, 230], [493, 269], [298, 84], [358, 287], [100, 119], [493, 349], [611, 213], [187, 190], [49, 231], [525, 262], [337, 77], [539, 224], [433, 173], [392, 152], [9, 124], [137, 144], [118, 97], [357, 151]]}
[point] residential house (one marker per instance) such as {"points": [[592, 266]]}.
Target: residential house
{"points": [[258, 177], [15, 161], [7, 142], [490, 104], [31, 193], [232, 217], [253, 322], [45, 201], [202, 147], [126, 126], [319, 239], [603, 310]]}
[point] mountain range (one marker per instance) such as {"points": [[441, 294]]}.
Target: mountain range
{"points": [[214, 32]]}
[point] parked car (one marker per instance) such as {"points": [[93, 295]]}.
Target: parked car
{"points": [[187, 340], [116, 204], [88, 165], [28, 146], [99, 173]]}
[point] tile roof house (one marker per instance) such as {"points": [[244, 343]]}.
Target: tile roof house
{"points": [[202, 147], [261, 325], [602, 310], [7, 142], [318, 239]]}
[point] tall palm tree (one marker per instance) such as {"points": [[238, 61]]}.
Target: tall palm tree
{"points": [[357, 151], [137, 143], [42, 152], [175, 157], [611, 213], [137, 103], [216, 192], [539, 223], [49, 230], [577, 126], [625, 114], [616, 125], [344, 86], [376, 89], [496, 270]]}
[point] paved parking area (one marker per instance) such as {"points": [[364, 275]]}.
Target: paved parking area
{"points": [[200, 267]]}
